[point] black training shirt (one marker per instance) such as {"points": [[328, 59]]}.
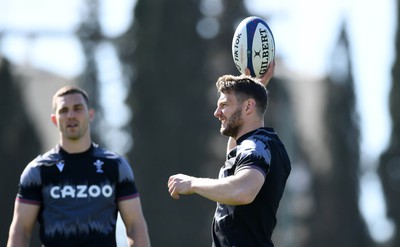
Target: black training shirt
{"points": [[78, 195], [253, 224]]}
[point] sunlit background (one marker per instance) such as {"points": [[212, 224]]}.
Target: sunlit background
{"points": [[41, 35]]}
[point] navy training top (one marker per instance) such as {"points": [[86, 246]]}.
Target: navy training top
{"points": [[253, 224], [78, 195]]}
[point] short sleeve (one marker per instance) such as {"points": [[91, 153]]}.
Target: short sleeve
{"points": [[253, 154], [126, 187], [30, 185]]}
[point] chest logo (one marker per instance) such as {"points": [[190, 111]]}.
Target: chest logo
{"points": [[60, 165], [98, 165]]}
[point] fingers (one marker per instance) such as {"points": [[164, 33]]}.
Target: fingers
{"points": [[180, 184], [172, 183], [267, 76], [173, 194], [246, 71]]}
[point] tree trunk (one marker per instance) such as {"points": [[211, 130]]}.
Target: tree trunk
{"points": [[19, 144], [389, 167]]}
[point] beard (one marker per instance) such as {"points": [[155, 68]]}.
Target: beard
{"points": [[233, 125], [74, 133]]}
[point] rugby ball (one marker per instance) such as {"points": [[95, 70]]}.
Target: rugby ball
{"points": [[253, 46]]}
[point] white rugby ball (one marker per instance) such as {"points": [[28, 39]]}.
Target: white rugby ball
{"points": [[253, 46]]}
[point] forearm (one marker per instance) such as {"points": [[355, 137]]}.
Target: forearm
{"points": [[138, 235], [220, 190], [239, 189], [18, 239]]}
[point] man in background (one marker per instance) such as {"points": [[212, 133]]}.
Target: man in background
{"points": [[76, 189]]}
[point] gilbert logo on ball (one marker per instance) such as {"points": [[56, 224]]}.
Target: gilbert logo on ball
{"points": [[253, 46]]}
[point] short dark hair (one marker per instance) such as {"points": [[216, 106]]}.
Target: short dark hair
{"points": [[244, 87], [70, 90]]}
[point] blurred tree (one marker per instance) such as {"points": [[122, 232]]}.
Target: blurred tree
{"points": [[19, 144], [389, 167], [336, 220], [89, 34], [165, 57], [280, 116]]}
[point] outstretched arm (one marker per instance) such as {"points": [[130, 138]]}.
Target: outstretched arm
{"points": [[239, 189]]}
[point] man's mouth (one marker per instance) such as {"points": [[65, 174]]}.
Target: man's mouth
{"points": [[72, 125]]}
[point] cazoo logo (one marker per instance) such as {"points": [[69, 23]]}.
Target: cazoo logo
{"points": [[80, 191]]}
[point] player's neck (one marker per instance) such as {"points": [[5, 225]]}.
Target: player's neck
{"points": [[250, 126], [75, 146]]}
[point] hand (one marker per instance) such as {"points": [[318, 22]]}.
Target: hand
{"points": [[267, 76], [180, 184]]}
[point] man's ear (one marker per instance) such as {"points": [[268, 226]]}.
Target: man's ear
{"points": [[91, 114], [250, 106], [53, 119]]}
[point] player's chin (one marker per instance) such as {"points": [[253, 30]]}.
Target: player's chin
{"points": [[225, 132], [72, 135]]}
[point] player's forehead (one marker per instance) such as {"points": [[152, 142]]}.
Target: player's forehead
{"points": [[226, 97], [69, 100]]}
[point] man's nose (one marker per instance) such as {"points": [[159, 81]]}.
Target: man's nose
{"points": [[71, 114], [217, 112]]}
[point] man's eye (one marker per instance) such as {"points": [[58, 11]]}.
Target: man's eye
{"points": [[63, 110]]}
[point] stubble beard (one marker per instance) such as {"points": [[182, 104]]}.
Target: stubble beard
{"points": [[74, 134], [234, 123]]}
